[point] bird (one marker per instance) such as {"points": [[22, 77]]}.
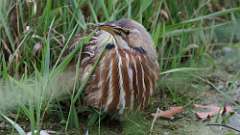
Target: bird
{"points": [[127, 70]]}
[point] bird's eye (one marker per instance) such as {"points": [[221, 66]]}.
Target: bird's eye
{"points": [[109, 46]]}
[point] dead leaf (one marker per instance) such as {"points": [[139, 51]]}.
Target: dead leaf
{"points": [[211, 107], [227, 109], [211, 110], [37, 48], [169, 114], [164, 14], [42, 132]]}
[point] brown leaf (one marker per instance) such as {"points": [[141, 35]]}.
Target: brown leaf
{"points": [[227, 109], [211, 107], [210, 111], [164, 14], [170, 113]]}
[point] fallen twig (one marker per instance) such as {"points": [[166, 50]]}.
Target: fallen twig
{"points": [[223, 125]]}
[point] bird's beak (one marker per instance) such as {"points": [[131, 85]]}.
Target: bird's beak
{"points": [[111, 28], [106, 27]]}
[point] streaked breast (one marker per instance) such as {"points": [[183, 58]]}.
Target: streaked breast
{"points": [[123, 80]]}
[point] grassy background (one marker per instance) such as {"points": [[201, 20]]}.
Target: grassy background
{"points": [[36, 36]]}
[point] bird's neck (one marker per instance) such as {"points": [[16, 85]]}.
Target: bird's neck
{"points": [[120, 43]]}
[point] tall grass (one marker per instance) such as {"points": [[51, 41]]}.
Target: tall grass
{"points": [[183, 33]]}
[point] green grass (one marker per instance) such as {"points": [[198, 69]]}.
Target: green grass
{"points": [[185, 35]]}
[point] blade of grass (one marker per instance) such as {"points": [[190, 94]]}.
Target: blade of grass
{"points": [[183, 69], [93, 12], [65, 46], [105, 11], [14, 124], [6, 27], [219, 13]]}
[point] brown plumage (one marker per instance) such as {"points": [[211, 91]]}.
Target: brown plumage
{"points": [[126, 74]]}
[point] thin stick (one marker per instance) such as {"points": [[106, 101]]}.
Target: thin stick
{"points": [[223, 125], [154, 120]]}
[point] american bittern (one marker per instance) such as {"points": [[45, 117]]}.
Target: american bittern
{"points": [[126, 75]]}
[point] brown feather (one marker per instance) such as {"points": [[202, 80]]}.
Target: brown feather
{"points": [[125, 68], [125, 78], [114, 85]]}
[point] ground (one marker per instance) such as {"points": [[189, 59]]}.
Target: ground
{"points": [[222, 89], [218, 85]]}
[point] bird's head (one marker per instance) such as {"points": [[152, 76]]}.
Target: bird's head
{"points": [[129, 34]]}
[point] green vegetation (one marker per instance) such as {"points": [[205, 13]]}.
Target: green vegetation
{"points": [[35, 43]]}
